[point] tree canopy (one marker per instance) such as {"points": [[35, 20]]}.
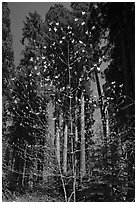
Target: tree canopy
{"points": [[55, 141]]}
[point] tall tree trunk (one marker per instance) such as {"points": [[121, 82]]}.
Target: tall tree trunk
{"points": [[71, 124], [65, 149], [58, 145], [61, 123], [24, 167], [76, 131], [82, 156], [102, 118], [75, 144], [107, 123], [107, 131], [51, 121]]}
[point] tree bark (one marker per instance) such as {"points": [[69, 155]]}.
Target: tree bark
{"points": [[102, 118], [24, 168], [51, 121], [82, 156], [107, 124], [65, 149], [58, 145]]}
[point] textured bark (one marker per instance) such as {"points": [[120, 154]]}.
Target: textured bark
{"points": [[58, 136], [76, 131], [51, 121], [107, 124], [102, 118], [65, 149], [58, 145], [76, 137], [24, 168], [82, 156], [101, 105]]}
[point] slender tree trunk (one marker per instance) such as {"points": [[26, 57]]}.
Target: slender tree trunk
{"points": [[51, 123], [107, 124], [33, 177], [107, 132], [71, 127], [61, 124], [76, 132], [82, 156], [24, 168], [75, 146], [72, 150], [65, 149], [58, 145]]}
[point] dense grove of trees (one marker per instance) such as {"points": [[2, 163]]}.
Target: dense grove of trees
{"points": [[50, 136], [7, 74]]}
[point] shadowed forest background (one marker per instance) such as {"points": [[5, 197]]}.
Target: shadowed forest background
{"points": [[69, 105]]}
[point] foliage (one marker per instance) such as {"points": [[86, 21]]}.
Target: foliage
{"points": [[63, 57], [7, 51], [28, 110], [119, 91], [7, 74]]}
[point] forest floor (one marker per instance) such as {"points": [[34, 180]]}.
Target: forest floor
{"points": [[34, 196], [37, 197]]}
